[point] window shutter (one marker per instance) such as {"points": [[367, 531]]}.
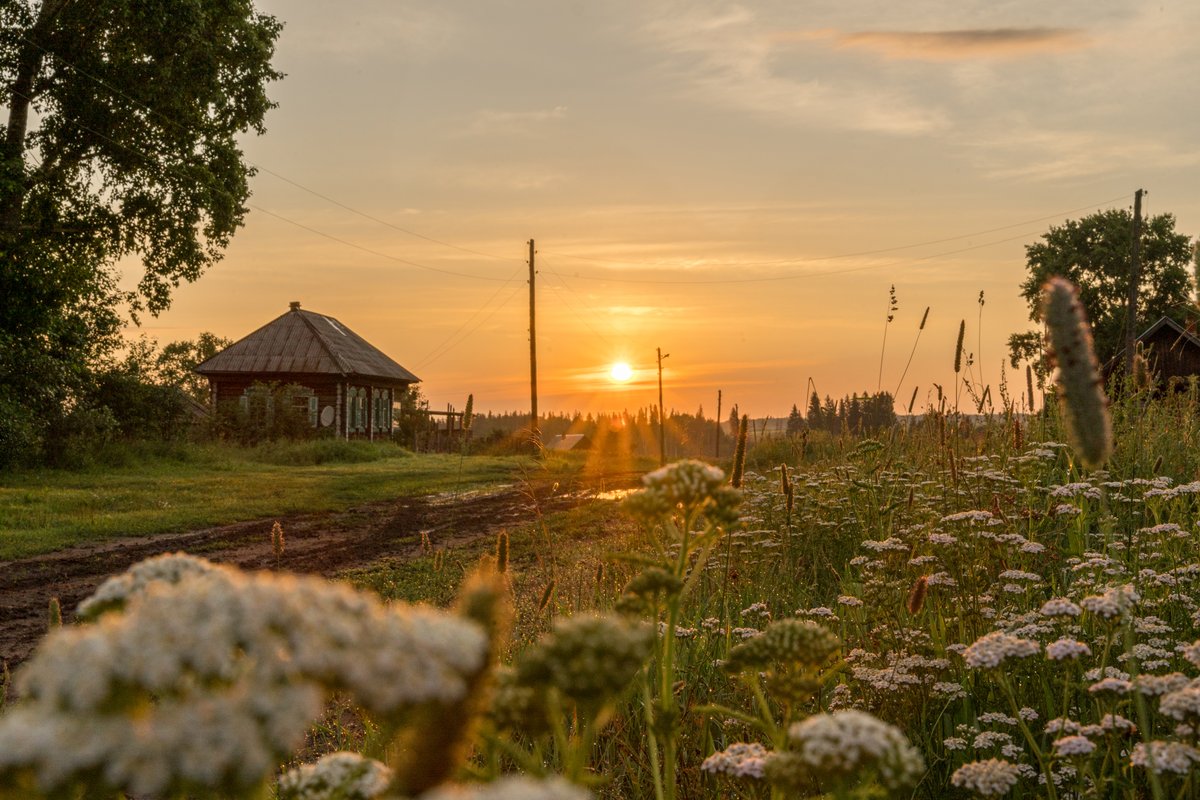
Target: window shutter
{"points": [[312, 410]]}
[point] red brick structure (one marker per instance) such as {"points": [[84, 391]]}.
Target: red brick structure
{"points": [[349, 384]]}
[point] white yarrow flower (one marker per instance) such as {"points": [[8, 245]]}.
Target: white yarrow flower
{"points": [[227, 671], [843, 743], [337, 776], [740, 760], [990, 778], [991, 650], [1066, 648]]}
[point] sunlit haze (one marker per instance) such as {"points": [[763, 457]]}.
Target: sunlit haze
{"points": [[736, 184]]}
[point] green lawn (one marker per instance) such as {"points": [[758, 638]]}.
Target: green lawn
{"points": [[47, 510]]}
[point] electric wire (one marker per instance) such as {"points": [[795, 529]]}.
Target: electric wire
{"points": [[849, 255], [574, 256]]}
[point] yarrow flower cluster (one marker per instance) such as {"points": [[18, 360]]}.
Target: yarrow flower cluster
{"points": [[991, 650], [1183, 705], [1073, 746], [739, 760], [589, 659], [838, 748], [690, 484], [1175, 757], [1066, 648], [990, 778], [511, 788], [337, 776], [213, 680], [1060, 607], [118, 590], [1115, 601]]}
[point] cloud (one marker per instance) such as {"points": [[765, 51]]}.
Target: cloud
{"points": [[1056, 155], [727, 56], [952, 45], [493, 123]]}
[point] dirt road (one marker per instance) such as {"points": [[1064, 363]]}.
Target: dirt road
{"points": [[319, 544]]}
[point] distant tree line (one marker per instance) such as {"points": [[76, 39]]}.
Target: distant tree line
{"points": [[636, 432], [854, 413]]}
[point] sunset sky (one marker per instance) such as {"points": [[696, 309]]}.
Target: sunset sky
{"points": [[738, 184]]}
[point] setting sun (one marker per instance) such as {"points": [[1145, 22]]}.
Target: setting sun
{"points": [[621, 372]]}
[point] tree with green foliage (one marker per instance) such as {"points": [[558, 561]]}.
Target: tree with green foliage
{"points": [[121, 144], [1094, 253], [176, 362]]}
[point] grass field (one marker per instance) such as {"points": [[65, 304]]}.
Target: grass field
{"points": [[194, 487], [938, 610]]}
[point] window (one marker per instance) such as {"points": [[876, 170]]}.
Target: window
{"points": [[379, 409], [356, 409], [306, 404]]}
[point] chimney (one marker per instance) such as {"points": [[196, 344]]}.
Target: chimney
{"points": [[294, 305]]}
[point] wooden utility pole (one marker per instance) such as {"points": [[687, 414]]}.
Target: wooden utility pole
{"points": [[662, 414], [534, 434], [718, 423], [1135, 278]]}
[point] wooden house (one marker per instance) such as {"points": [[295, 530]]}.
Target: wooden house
{"points": [[1172, 350], [348, 385]]}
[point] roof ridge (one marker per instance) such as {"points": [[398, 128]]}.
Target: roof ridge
{"points": [[333, 355], [1167, 319]]}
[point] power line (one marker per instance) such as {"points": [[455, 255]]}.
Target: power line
{"points": [[288, 220], [587, 312], [117, 91], [849, 255], [802, 276], [434, 354], [715, 281], [379, 253]]}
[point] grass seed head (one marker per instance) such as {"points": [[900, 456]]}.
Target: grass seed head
{"points": [[958, 348], [502, 552], [547, 593], [1081, 392], [739, 455], [54, 614], [916, 596], [277, 539]]}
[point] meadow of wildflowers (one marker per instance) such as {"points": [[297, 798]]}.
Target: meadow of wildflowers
{"points": [[947, 610]]}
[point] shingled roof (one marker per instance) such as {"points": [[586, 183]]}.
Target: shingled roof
{"points": [[304, 342]]}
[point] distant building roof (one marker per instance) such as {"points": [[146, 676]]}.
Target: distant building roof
{"points": [[304, 342], [1166, 322], [568, 441]]}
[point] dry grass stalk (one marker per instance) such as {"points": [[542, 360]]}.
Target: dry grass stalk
{"points": [[916, 597], [277, 544], [1080, 389]]}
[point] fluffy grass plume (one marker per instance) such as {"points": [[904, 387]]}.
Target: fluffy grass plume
{"points": [[502, 552], [1080, 391], [277, 540], [958, 347], [739, 455]]}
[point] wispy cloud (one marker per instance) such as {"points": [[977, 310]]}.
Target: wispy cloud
{"points": [[492, 123], [728, 56], [1052, 155], [951, 45]]}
